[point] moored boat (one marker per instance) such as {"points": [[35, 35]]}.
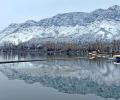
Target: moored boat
{"points": [[116, 59]]}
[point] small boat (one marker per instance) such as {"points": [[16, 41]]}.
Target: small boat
{"points": [[116, 59], [92, 55]]}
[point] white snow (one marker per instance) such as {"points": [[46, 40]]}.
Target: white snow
{"points": [[110, 29]]}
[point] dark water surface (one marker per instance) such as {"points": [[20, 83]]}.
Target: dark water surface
{"points": [[68, 79]]}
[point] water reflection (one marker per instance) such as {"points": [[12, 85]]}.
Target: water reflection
{"points": [[80, 76]]}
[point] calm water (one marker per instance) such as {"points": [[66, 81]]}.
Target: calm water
{"points": [[70, 79]]}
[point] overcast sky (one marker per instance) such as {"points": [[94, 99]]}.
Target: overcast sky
{"points": [[18, 11]]}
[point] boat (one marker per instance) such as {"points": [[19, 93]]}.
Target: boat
{"points": [[116, 59], [97, 55]]}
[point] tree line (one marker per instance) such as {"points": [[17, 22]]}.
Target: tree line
{"points": [[103, 47]]}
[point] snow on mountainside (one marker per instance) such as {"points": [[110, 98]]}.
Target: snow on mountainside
{"points": [[100, 24]]}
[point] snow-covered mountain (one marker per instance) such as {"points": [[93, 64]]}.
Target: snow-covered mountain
{"points": [[101, 24]]}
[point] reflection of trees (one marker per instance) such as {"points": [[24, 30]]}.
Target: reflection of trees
{"points": [[44, 73]]}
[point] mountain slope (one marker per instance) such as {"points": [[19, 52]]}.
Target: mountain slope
{"points": [[102, 24]]}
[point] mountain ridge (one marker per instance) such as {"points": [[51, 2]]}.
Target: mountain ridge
{"points": [[102, 24], [114, 8]]}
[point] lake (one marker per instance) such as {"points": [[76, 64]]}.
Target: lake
{"points": [[64, 79]]}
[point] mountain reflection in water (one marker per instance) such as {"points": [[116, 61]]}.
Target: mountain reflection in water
{"points": [[100, 77]]}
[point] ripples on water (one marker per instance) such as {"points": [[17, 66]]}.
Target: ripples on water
{"points": [[69, 76]]}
